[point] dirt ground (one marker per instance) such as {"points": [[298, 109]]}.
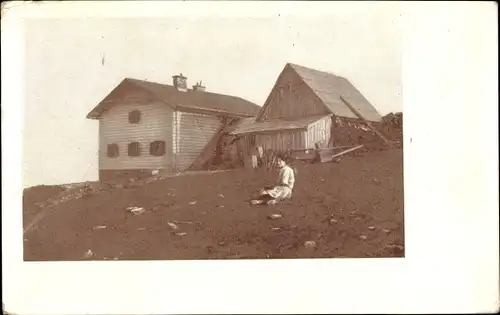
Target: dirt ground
{"points": [[353, 208], [34, 196]]}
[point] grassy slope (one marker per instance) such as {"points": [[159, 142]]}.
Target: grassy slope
{"points": [[359, 192]]}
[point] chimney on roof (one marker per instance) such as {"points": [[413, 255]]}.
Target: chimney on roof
{"points": [[198, 87], [180, 82]]}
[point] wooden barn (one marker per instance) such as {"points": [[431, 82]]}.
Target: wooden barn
{"points": [[145, 126], [303, 111]]}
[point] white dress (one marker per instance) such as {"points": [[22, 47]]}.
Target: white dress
{"points": [[286, 181]]}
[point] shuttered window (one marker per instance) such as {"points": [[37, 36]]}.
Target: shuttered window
{"points": [[134, 149], [134, 117], [157, 148], [113, 150]]}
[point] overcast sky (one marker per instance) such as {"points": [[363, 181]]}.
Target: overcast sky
{"points": [[65, 77]]}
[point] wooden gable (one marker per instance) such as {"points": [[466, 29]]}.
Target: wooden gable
{"points": [[291, 98], [125, 93], [126, 90]]}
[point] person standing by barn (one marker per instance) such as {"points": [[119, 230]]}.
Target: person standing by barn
{"points": [[283, 189]]}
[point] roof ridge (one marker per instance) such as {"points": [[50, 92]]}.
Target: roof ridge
{"points": [[329, 87], [168, 94], [294, 65], [188, 90]]}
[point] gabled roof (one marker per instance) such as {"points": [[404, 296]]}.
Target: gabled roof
{"points": [[329, 88], [192, 100], [249, 126]]}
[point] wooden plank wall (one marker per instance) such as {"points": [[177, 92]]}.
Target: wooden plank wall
{"points": [[282, 141], [292, 98], [319, 131], [114, 127], [245, 145], [193, 132]]}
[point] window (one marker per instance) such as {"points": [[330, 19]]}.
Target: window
{"points": [[134, 149], [113, 150], [134, 117], [157, 148]]}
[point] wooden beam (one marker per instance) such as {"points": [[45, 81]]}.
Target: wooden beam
{"points": [[347, 151], [380, 135], [335, 148], [328, 155]]}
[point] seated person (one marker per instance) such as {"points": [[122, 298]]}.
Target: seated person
{"points": [[286, 180]]}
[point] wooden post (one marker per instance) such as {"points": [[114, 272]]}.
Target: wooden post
{"points": [[331, 142], [251, 161], [367, 122]]}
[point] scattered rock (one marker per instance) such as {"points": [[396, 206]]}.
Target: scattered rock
{"points": [[376, 181], [136, 210], [222, 243], [386, 231], [181, 233], [89, 254], [371, 228], [172, 225], [394, 246], [363, 237], [333, 221], [155, 172], [276, 228], [221, 195], [183, 222], [275, 216], [310, 244], [193, 202], [141, 229], [99, 227]]}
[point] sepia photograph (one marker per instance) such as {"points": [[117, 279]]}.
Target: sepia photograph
{"points": [[146, 140]]}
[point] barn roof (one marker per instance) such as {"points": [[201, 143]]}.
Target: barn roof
{"points": [[192, 100], [249, 126], [329, 88]]}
